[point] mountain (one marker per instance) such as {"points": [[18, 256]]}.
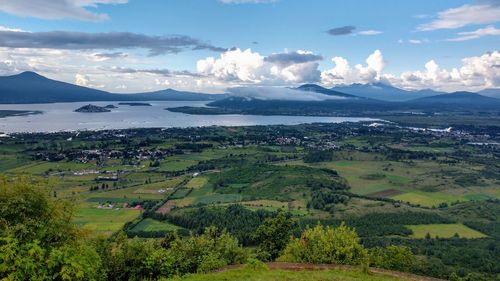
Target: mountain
{"points": [[30, 87], [383, 91], [318, 89], [174, 95], [457, 100], [493, 93]]}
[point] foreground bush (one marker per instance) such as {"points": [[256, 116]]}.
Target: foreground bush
{"points": [[392, 257], [326, 245], [38, 240]]}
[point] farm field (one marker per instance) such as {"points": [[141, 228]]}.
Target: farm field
{"points": [[444, 231]]}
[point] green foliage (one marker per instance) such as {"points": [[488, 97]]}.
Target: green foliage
{"points": [[328, 245], [236, 219], [273, 236], [314, 156], [392, 257], [37, 239]]}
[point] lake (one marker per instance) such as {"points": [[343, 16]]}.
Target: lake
{"points": [[61, 117]]}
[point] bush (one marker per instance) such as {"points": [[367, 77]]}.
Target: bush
{"points": [[326, 245], [398, 258]]}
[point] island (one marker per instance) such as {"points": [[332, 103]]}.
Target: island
{"points": [[135, 103], [90, 108], [111, 106]]}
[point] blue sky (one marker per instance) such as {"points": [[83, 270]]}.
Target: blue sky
{"points": [[408, 34]]}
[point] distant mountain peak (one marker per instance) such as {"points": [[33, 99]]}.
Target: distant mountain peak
{"points": [[319, 89], [29, 74]]}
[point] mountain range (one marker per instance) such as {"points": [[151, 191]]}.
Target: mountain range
{"points": [[30, 87], [385, 92]]}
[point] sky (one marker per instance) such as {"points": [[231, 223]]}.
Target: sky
{"points": [[128, 46]]}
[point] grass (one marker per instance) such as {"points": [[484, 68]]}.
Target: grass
{"points": [[278, 275], [197, 182], [103, 221], [427, 199], [444, 231], [154, 225]]}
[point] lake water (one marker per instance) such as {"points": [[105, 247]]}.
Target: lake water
{"points": [[61, 117]]}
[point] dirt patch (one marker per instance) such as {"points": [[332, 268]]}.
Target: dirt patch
{"points": [[166, 208], [385, 193]]}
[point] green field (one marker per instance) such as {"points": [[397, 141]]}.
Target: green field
{"points": [[154, 225], [279, 275], [103, 221], [444, 231]]}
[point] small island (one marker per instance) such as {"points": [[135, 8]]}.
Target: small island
{"points": [[135, 103], [111, 106], [90, 108]]}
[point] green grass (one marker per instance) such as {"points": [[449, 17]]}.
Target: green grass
{"points": [[197, 182], [154, 225], [103, 221], [218, 198], [427, 199], [444, 231], [278, 275]]}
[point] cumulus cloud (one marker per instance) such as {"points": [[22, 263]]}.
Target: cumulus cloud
{"points": [[484, 12], [481, 32], [278, 93], [58, 9], [343, 30], [476, 73], [251, 67], [111, 40], [343, 73]]}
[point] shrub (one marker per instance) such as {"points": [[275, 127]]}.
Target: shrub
{"points": [[326, 245]]}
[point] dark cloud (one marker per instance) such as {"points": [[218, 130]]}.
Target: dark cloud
{"points": [[156, 45], [162, 72], [343, 30], [290, 58], [111, 55]]}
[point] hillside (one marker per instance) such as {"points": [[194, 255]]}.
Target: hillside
{"points": [[318, 89], [457, 100], [383, 91], [30, 87]]}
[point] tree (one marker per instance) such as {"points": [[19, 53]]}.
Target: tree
{"points": [[273, 235], [37, 239], [398, 258], [325, 244]]}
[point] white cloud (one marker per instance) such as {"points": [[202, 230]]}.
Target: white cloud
{"points": [[476, 73], [278, 93], [57, 9], [233, 65], [343, 73], [250, 67], [481, 32], [81, 80], [370, 32], [5, 28], [415, 41], [483, 13]]}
